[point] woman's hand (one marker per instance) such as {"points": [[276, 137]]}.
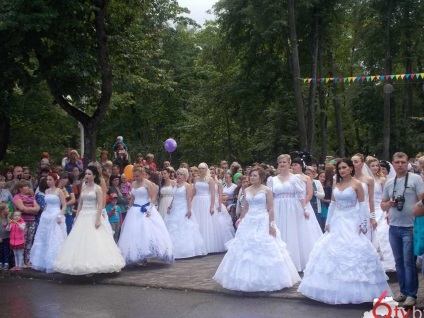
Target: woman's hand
{"points": [[327, 228], [306, 215], [59, 219], [169, 209], [373, 224], [98, 223], [272, 232], [188, 214], [212, 211]]}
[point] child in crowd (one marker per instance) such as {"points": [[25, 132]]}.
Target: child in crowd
{"points": [[125, 187], [113, 212], [67, 190], [16, 227], [119, 141], [4, 237], [5, 195]]}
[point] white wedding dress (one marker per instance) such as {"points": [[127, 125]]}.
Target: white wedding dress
{"points": [[209, 224], [88, 250], [144, 236], [344, 267], [255, 260], [165, 200], [382, 232], [184, 232], [226, 222], [298, 233], [49, 237]]}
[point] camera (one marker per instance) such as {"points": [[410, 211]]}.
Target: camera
{"points": [[400, 200]]}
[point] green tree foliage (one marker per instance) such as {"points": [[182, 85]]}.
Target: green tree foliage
{"points": [[224, 90]]}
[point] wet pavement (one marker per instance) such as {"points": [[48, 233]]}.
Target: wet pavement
{"points": [[40, 298], [193, 274]]}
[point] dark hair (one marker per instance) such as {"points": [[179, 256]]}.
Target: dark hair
{"points": [[329, 174], [113, 177], [95, 172], [300, 162], [162, 182], [45, 170], [154, 177], [234, 169], [260, 171], [70, 178], [385, 164], [42, 185], [347, 161]]}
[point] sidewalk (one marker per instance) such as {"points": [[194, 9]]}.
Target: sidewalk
{"points": [[186, 275]]}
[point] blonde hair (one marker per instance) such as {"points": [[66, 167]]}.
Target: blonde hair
{"points": [[138, 169], [184, 172], [360, 156], [284, 156], [370, 160], [204, 165]]}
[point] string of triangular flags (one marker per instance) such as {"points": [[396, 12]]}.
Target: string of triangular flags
{"points": [[363, 78]]}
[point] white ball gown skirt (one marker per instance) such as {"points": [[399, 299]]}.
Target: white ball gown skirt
{"points": [[344, 267], [256, 261], [49, 237], [383, 244], [88, 250], [144, 237], [184, 232]]}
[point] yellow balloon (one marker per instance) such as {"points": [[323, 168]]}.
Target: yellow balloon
{"points": [[128, 172]]}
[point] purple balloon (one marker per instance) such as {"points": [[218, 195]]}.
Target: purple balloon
{"points": [[170, 145]]}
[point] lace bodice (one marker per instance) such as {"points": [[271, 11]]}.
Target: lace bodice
{"points": [[180, 198], [141, 195], [345, 199], [257, 203], [292, 188], [166, 191], [89, 201], [202, 188]]}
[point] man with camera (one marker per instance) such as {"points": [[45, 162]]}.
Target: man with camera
{"points": [[400, 195]]}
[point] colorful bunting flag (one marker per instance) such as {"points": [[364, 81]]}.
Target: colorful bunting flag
{"points": [[362, 78]]}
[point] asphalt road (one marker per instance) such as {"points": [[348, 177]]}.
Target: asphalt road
{"points": [[39, 298]]}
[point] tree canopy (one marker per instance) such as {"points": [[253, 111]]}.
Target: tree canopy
{"points": [[229, 89]]}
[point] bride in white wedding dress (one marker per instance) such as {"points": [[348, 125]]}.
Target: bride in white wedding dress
{"points": [[344, 267], [89, 248], [257, 258]]}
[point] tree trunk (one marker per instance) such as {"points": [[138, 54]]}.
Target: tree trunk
{"points": [[339, 123], [5, 135], [310, 112], [90, 123], [337, 111], [296, 77], [321, 98], [387, 70]]}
